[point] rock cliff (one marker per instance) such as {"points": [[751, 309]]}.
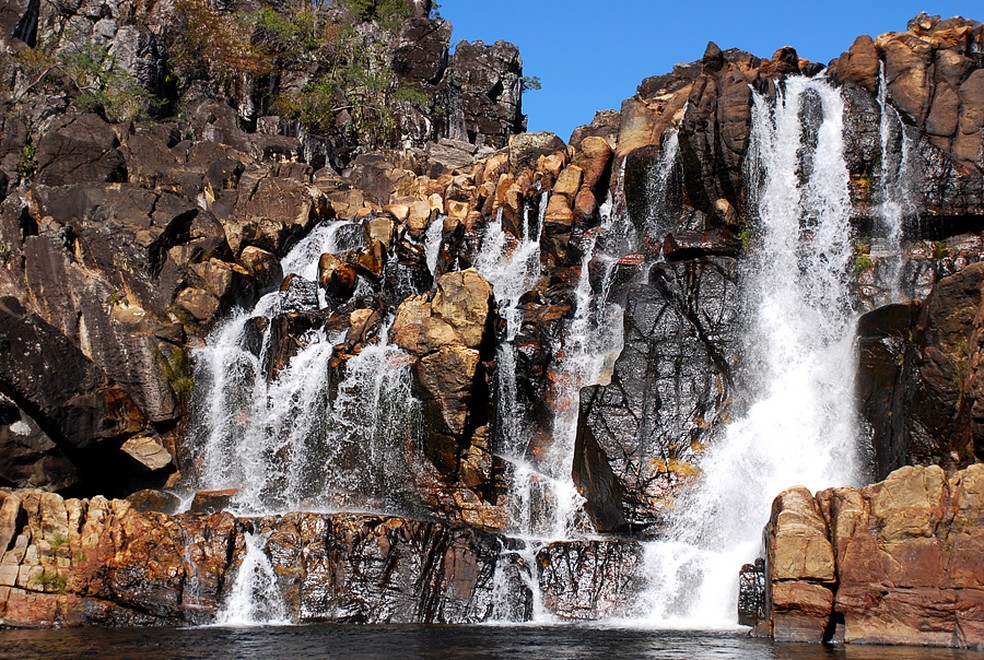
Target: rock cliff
{"points": [[141, 207]]}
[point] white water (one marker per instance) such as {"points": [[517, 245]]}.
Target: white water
{"points": [[799, 428], [254, 598], [658, 223], [297, 442], [294, 444], [895, 190], [432, 243]]}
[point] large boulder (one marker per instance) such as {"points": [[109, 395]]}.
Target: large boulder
{"points": [[896, 562], [77, 149], [448, 334], [638, 436]]}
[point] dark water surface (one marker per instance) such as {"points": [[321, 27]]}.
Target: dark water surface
{"points": [[397, 641]]}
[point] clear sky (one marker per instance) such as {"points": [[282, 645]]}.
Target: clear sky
{"points": [[591, 55]]}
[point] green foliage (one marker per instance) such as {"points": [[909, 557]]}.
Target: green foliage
{"points": [[862, 259], [57, 540], [176, 371], [863, 263], [5, 252], [412, 96], [281, 34], [745, 236], [530, 83], [51, 581], [388, 13], [961, 361], [101, 84], [940, 250], [26, 164], [315, 106]]}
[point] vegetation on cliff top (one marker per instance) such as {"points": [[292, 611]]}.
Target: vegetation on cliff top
{"points": [[324, 64]]}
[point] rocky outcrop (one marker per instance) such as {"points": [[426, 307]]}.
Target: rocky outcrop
{"points": [[123, 563], [99, 562], [896, 562], [934, 77], [448, 333], [590, 580], [639, 436], [919, 376]]}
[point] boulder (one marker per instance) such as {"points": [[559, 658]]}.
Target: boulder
{"points": [[680, 331], [76, 149], [526, 148], [447, 335], [905, 560]]}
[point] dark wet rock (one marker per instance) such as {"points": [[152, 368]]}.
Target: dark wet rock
{"points": [[589, 580], [212, 501], [147, 501], [28, 457], [73, 401], [751, 595], [669, 392], [370, 569], [298, 295], [919, 379]]}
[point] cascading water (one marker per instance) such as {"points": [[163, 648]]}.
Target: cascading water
{"points": [[895, 191], [656, 198], [254, 598], [432, 243], [799, 428], [512, 267], [300, 440]]}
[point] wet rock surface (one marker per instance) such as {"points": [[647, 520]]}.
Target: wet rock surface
{"points": [[118, 563], [919, 376], [641, 434]]}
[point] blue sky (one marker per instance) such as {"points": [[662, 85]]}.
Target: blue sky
{"points": [[592, 55]]}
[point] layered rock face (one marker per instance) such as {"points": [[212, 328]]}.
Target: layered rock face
{"points": [[118, 563], [896, 562], [919, 375]]}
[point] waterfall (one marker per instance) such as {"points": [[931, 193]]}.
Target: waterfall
{"points": [[800, 425], [254, 598], [657, 222], [300, 440], [432, 243], [895, 191]]}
